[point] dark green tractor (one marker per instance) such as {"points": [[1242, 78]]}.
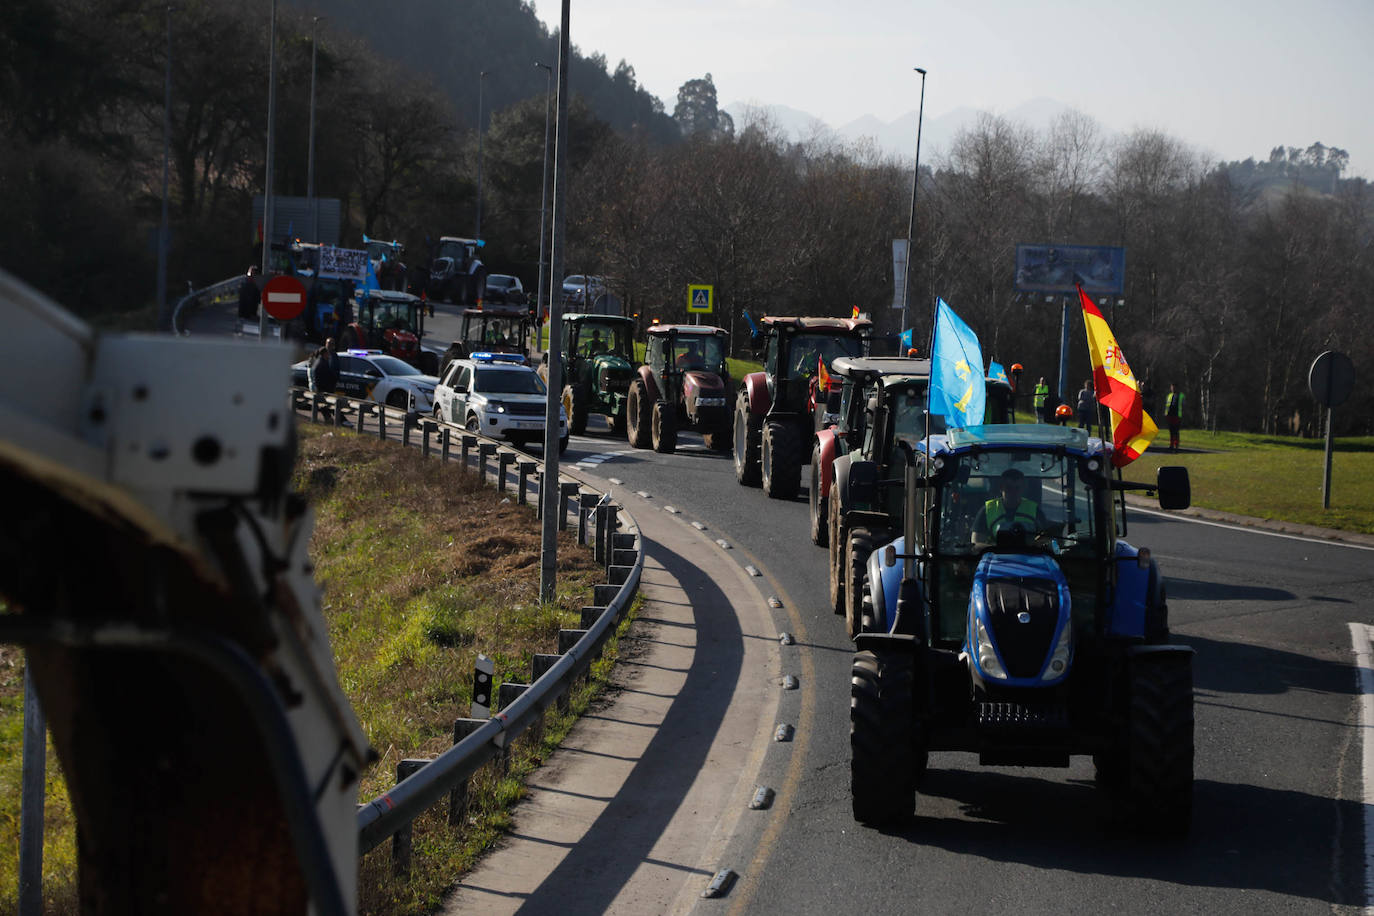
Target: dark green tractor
{"points": [[598, 365]]}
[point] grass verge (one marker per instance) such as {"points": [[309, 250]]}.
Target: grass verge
{"points": [[1271, 477]]}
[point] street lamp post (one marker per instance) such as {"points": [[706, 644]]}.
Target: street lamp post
{"points": [[911, 226], [163, 319], [543, 194], [481, 81], [310, 156], [267, 181]]}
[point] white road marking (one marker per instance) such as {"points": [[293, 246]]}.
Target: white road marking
{"points": [[1362, 638], [1273, 534]]}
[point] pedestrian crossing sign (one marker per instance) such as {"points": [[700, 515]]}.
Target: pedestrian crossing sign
{"points": [[700, 299]]}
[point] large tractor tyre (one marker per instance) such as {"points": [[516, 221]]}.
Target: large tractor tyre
{"points": [[886, 751], [819, 524], [748, 442], [429, 362], [575, 406], [837, 539], [781, 461], [639, 414], [858, 548], [664, 428], [1160, 744]]}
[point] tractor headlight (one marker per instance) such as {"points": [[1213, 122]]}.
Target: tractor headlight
{"points": [[1063, 654], [988, 662]]}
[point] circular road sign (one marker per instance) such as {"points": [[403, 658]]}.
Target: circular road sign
{"points": [[283, 297], [1331, 378]]}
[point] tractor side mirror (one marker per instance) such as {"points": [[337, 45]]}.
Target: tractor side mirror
{"points": [[1173, 487]]}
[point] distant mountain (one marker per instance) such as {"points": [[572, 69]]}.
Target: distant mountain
{"points": [[897, 138]]}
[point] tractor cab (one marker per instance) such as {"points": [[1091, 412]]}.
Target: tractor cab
{"points": [[393, 322], [598, 365], [385, 260], [496, 329]]}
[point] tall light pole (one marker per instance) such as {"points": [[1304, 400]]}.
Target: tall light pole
{"points": [[267, 182], [481, 81], [310, 156], [543, 195], [911, 226], [163, 319]]}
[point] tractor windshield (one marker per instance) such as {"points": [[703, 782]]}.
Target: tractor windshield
{"points": [[388, 315], [459, 251], [488, 332], [699, 352], [807, 350], [1018, 500], [596, 337]]}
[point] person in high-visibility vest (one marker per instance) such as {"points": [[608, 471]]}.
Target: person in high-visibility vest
{"points": [[1173, 411], [1008, 511], [1042, 391]]}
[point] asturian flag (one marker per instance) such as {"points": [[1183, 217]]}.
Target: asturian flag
{"points": [[957, 388], [1117, 390]]}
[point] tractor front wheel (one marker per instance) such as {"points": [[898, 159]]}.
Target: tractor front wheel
{"points": [[858, 550], [748, 438], [781, 462], [1160, 743], [819, 525], [837, 538], [575, 406], [639, 414], [886, 750], [664, 428]]}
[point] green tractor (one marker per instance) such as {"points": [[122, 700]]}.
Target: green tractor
{"points": [[598, 366]]}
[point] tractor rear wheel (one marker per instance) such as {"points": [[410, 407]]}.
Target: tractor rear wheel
{"points": [[1160, 743], [665, 428], [819, 524], [858, 550], [781, 463], [837, 539], [639, 414], [885, 746], [748, 439], [575, 406]]}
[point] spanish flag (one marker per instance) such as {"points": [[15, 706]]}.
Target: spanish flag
{"points": [[1117, 390], [856, 312], [822, 376]]}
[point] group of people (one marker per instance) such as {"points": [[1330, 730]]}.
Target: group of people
{"points": [[1048, 409]]}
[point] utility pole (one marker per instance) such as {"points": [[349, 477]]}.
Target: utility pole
{"points": [[267, 183], [310, 156], [911, 226], [164, 320]]}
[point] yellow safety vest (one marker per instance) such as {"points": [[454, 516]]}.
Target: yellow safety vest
{"points": [[995, 512], [1041, 392]]}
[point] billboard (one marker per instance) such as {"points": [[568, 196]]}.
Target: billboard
{"points": [[1052, 269]]}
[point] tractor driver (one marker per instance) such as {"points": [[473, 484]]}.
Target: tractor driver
{"points": [[690, 358], [596, 344], [1008, 511]]}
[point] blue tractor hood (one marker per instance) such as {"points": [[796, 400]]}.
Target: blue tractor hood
{"points": [[1020, 602]]}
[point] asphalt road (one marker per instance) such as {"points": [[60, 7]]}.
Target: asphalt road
{"points": [[1278, 822]]}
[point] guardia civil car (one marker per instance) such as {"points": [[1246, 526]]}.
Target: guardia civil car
{"points": [[496, 395], [373, 375]]}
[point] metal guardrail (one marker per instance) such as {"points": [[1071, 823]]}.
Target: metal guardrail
{"points": [[422, 784], [196, 298]]}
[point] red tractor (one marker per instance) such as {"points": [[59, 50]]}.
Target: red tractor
{"points": [[393, 322], [775, 410], [684, 384]]}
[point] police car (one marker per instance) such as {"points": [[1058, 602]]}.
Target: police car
{"points": [[372, 375], [496, 395]]}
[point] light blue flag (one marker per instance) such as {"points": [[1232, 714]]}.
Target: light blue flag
{"points": [[956, 370], [906, 340], [997, 373]]}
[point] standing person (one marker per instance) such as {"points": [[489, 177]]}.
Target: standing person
{"points": [[1087, 405], [1173, 411], [1042, 392], [323, 371], [249, 294]]}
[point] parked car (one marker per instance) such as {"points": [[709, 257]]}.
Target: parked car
{"points": [[497, 395], [504, 289], [579, 288], [372, 375]]}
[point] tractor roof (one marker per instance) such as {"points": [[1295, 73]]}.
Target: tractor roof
{"points": [[867, 368], [686, 330], [1035, 437], [388, 295], [582, 316], [853, 325], [497, 311]]}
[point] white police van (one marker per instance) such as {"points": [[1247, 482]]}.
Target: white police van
{"points": [[496, 395]]}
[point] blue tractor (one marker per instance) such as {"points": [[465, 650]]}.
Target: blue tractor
{"points": [[1012, 620]]}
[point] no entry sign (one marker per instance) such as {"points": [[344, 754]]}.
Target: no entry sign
{"points": [[283, 297]]}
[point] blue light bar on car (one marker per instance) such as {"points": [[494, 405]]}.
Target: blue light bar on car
{"points": [[485, 357]]}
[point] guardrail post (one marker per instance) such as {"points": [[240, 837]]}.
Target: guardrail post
{"points": [[469, 441], [314, 407], [509, 693], [484, 451], [424, 436], [338, 414], [458, 798], [444, 441], [539, 666], [565, 493], [505, 460], [599, 548], [539, 503], [611, 524], [525, 468], [381, 422], [586, 502], [401, 840], [405, 430]]}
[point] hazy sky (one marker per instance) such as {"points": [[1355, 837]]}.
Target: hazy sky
{"points": [[1232, 78]]}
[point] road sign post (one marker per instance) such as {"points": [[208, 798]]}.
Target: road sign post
{"points": [[1331, 379]]}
